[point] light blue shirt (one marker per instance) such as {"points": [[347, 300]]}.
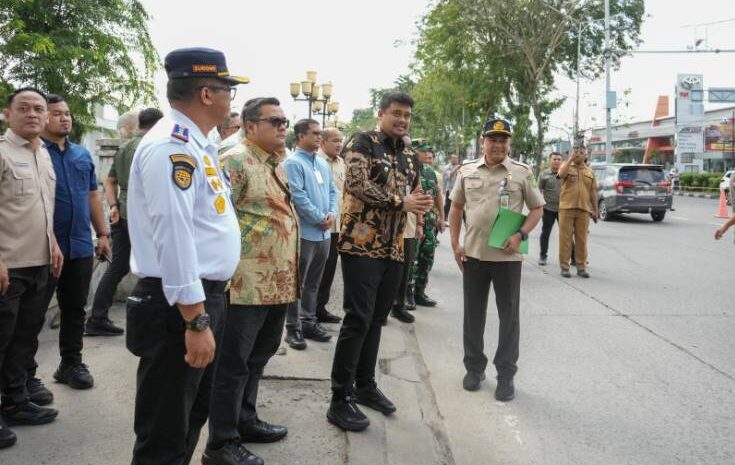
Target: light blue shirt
{"points": [[182, 226], [312, 191]]}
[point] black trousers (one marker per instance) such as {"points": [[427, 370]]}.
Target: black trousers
{"points": [[371, 285], [325, 287], [72, 289], [409, 249], [506, 280], [447, 204], [172, 398], [21, 319], [115, 273], [251, 337]]}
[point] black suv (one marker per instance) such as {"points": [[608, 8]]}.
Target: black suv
{"points": [[631, 188]]}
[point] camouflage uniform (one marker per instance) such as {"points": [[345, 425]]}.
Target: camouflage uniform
{"points": [[419, 276]]}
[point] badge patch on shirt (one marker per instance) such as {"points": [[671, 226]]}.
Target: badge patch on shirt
{"points": [[207, 160], [216, 185], [183, 167], [219, 204], [180, 132]]}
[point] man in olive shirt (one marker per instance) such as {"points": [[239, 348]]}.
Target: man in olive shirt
{"points": [[481, 189], [99, 323], [577, 203], [549, 184]]}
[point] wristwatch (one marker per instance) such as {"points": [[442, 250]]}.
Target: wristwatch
{"points": [[198, 324], [524, 235]]}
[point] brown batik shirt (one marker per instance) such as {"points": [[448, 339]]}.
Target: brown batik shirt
{"points": [[378, 174]]}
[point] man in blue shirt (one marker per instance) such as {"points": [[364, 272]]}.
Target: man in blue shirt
{"points": [[315, 198], [77, 204]]}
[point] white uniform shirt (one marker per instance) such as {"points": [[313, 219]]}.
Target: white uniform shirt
{"points": [[181, 221]]}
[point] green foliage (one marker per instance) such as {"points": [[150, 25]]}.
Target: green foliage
{"points": [[363, 119], [89, 52], [699, 181]]}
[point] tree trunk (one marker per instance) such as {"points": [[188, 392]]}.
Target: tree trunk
{"points": [[538, 153]]}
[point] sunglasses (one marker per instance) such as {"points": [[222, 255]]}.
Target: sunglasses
{"points": [[275, 121]]}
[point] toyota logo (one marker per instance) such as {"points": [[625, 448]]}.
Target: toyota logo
{"points": [[689, 82]]}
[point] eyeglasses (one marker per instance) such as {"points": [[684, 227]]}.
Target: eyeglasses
{"points": [[275, 121], [232, 90]]}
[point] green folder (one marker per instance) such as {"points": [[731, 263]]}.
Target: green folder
{"points": [[506, 224]]}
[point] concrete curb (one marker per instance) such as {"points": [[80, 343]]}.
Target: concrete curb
{"points": [[697, 195]]}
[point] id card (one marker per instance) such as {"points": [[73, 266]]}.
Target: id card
{"points": [[318, 175]]}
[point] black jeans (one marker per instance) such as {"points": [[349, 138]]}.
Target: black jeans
{"points": [[409, 250], [252, 335], [371, 285], [21, 319], [172, 398], [115, 273], [72, 289], [506, 280], [447, 204], [325, 287], [548, 220]]}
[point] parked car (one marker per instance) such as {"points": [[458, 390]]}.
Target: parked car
{"points": [[726, 184], [632, 188]]}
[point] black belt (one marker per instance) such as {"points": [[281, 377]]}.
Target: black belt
{"points": [[210, 287]]}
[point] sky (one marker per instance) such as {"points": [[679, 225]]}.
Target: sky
{"points": [[358, 45]]}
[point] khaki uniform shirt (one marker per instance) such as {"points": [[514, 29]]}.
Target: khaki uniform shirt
{"points": [[478, 187], [337, 167], [577, 187], [27, 191]]}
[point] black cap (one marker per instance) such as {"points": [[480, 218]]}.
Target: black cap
{"points": [[496, 126], [199, 63]]}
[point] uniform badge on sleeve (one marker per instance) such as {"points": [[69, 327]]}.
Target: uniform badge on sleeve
{"points": [[183, 167], [180, 132], [219, 204]]}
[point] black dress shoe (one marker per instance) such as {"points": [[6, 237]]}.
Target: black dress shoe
{"points": [[566, 274], [423, 299], [324, 316], [505, 390], [101, 327], [295, 339], [402, 315], [28, 413], [75, 376], [472, 380], [261, 432], [233, 452], [344, 413], [410, 300], [38, 393], [372, 397], [7, 436], [316, 332], [583, 274], [542, 261]]}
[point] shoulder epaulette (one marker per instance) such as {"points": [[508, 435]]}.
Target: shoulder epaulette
{"points": [[180, 132], [520, 164]]}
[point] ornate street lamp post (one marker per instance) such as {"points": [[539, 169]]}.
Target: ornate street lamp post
{"points": [[318, 97]]}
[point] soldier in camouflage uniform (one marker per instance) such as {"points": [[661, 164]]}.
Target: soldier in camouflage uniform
{"points": [[433, 225]]}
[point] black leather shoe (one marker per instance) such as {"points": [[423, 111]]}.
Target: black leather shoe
{"points": [[344, 413], [423, 299], [38, 393], [75, 376], [316, 332], [372, 397], [295, 339], [472, 380], [505, 390], [261, 432], [566, 274], [583, 274], [410, 301], [542, 261], [401, 314], [7, 436], [324, 316], [101, 327], [233, 452], [28, 413]]}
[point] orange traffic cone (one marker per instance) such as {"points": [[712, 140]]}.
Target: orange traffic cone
{"points": [[723, 206]]}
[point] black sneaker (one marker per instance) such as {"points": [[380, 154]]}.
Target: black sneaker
{"points": [[316, 332], [542, 261], [344, 413], [75, 376], [261, 432], [505, 390], [401, 314], [372, 397], [324, 316], [295, 339], [472, 380], [38, 393], [566, 273], [583, 274], [410, 301], [101, 327], [28, 413], [7, 436], [423, 299], [233, 452]]}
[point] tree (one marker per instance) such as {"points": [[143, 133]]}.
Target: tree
{"points": [[91, 53]]}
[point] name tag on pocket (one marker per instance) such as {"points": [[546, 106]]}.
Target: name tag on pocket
{"points": [[473, 183], [318, 175]]}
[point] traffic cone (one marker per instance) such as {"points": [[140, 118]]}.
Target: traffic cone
{"points": [[723, 206]]}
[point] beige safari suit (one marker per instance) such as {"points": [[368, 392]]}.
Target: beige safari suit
{"points": [[574, 214]]}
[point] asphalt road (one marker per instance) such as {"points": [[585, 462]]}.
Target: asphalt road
{"points": [[633, 366]]}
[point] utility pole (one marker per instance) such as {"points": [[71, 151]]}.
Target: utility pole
{"points": [[608, 103], [576, 106]]}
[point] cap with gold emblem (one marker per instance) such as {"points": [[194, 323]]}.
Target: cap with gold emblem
{"points": [[496, 126], [200, 63]]}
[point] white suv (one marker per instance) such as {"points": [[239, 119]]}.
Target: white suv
{"points": [[726, 183]]}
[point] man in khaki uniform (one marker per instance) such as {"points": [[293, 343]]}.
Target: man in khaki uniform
{"points": [[577, 203], [27, 248], [482, 187]]}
